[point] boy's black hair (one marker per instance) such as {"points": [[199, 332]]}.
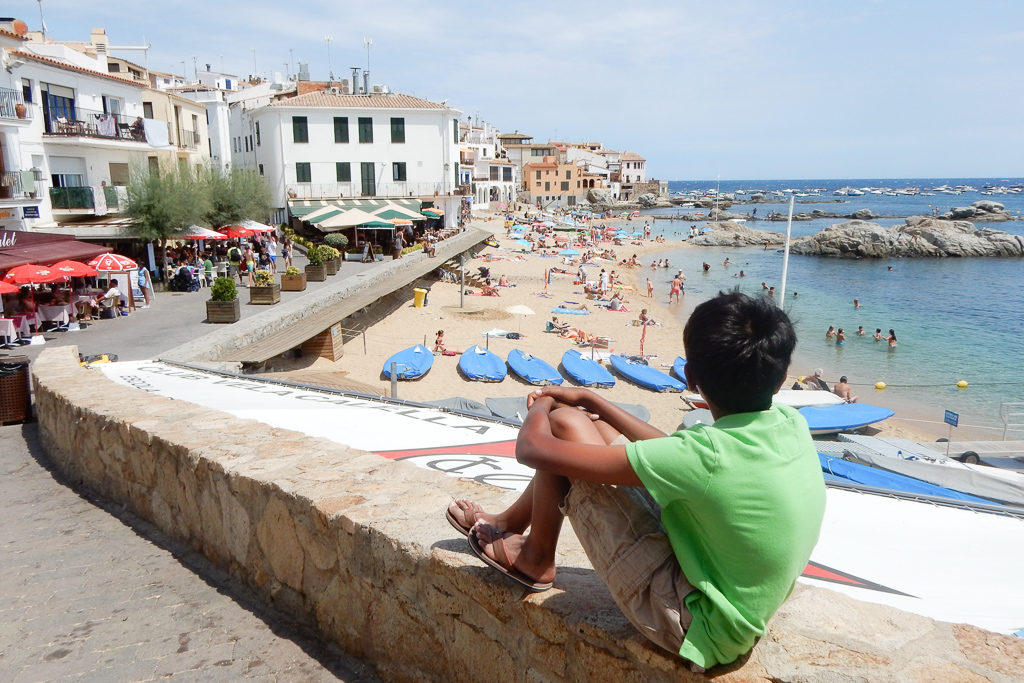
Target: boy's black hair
{"points": [[738, 350]]}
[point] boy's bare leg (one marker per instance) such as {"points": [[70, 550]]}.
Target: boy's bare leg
{"points": [[534, 554]]}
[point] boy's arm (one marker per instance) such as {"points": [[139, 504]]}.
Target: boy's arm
{"points": [[537, 447], [630, 426]]}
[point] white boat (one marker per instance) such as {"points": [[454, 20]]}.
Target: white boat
{"points": [[794, 398]]}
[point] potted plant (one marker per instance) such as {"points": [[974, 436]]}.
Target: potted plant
{"points": [[315, 270], [265, 290], [339, 243], [20, 110], [331, 256], [222, 306], [293, 280]]}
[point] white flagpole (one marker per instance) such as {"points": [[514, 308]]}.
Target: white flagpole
{"points": [[785, 254]]}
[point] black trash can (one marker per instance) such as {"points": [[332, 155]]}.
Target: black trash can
{"points": [[15, 390]]}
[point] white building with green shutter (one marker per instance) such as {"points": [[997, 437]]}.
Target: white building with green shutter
{"points": [[327, 145]]}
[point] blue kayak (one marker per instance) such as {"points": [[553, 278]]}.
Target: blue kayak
{"points": [[411, 363], [480, 364], [677, 369], [587, 372], [645, 375], [533, 369], [843, 417]]}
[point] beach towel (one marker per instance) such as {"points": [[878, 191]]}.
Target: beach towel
{"points": [[569, 311]]}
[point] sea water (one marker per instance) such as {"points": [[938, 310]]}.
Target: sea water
{"points": [[955, 318]]}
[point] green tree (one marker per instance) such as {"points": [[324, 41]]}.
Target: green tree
{"points": [[235, 196], [165, 203]]}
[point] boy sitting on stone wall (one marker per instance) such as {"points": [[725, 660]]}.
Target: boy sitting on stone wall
{"points": [[699, 535]]}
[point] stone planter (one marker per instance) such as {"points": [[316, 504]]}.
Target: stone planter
{"points": [[338, 261], [293, 283], [316, 273], [269, 294], [223, 311], [331, 266]]}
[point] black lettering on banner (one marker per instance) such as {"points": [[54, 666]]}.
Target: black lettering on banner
{"points": [[500, 478]]}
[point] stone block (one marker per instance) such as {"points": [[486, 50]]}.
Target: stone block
{"points": [[280, 544]]}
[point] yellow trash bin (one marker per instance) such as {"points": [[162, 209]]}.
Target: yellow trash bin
{"points": [[419, 296]]}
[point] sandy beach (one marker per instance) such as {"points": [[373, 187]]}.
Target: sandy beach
{"points": [[406, 325]]}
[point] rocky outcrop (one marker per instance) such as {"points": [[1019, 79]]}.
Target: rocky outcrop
{"points": [[986, 211], [600, 196], [647, 200], [922, 236], [731, 234]]}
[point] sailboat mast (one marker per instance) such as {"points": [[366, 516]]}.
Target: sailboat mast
{"points": [[785, 253]]}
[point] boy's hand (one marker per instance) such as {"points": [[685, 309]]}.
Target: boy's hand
{"points": [[562, 397]]}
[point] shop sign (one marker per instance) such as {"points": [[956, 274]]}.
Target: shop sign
{"points": [[30, 211]]}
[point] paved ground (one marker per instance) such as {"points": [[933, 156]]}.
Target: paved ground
{"points": [[89, 592]]}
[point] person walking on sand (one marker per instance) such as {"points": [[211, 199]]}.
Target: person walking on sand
{"points": [[671, 522], [677, 288], [650, 289]]}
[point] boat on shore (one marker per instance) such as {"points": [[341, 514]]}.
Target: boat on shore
{"points": [[482, 365], [410, 363], [586, 372]]}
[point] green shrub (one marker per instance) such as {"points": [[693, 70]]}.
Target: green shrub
{"points": [[224, 289], [263, 278], [316, 255], [292, 270], [329, 252], [337, 240]]}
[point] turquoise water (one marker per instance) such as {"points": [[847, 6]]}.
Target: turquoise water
{"points": [[956, 319]]}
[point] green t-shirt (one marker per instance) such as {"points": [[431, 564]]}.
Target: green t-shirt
{"points": [[742, 502]]}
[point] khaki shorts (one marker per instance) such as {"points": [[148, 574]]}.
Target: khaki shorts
{"points": [[620, 529]]}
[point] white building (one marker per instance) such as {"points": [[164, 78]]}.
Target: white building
{"points": [[83, 130], [484, 167], [327, 146]]}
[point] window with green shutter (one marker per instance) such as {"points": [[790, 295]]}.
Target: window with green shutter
{"points": [[341, 129], [303, 172], [365, 129], [397, 129], [300, 129], [398, 171], [344, 171]]}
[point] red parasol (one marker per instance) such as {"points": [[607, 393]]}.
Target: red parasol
{"points": [[68, 268], [6, 288], [113, 263], [233, 232], [29, 273]]}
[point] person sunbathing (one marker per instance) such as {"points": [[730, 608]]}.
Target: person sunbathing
{"points": [[489, 290]]}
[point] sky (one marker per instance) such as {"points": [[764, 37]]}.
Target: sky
{"points": [[735, 89]]}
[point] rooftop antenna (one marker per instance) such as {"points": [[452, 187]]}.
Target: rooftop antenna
{"points": [[254, 71], [368, 42], [41, 20], [329, 39], [291, 61]]}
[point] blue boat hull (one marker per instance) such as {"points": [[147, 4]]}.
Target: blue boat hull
{"points": [[533, 369], [482, 365], [411, 363], [586, 372], [645, 375], [843, 417]]}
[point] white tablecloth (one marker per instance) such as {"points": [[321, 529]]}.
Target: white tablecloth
{"points": [[8, 330], [60, 314], [22, 322]]}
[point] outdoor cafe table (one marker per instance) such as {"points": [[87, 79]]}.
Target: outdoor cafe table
{"points": [[8, 331], [61, 314], [23, 320]]}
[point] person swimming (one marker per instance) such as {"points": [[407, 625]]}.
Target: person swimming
{"points": [[840, 337], [891, 338]]}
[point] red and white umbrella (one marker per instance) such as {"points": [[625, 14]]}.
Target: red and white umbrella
{"points": [[256, 226], [68, 268], [29, 273], [113, 263], [198, 232], [233, 232]]}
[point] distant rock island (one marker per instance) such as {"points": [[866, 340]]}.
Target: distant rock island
{"points": [[922, 236], [732, 234]]}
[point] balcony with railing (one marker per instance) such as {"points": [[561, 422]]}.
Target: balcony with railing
{"points": [[80, 122], [83, 198], [188, 139], [12, 105], [17, 185]]}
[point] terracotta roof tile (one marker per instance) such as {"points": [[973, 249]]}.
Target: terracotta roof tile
{"points": [[378, 101], [72, 67], [630, 156], [11, 34]]}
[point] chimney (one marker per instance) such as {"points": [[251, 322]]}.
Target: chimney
{"points": [[366, 82], [303, 71], [355, 80]]}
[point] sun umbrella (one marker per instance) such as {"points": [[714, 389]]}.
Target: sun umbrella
{"points": [[524, 243], [6, 288], [28, 273], [72, 269], [113, 263], [233, 232], [569, 252], [198, 232], [256, 226]]}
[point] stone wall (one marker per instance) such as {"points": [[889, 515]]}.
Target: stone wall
{"points": [[357, 546]]}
